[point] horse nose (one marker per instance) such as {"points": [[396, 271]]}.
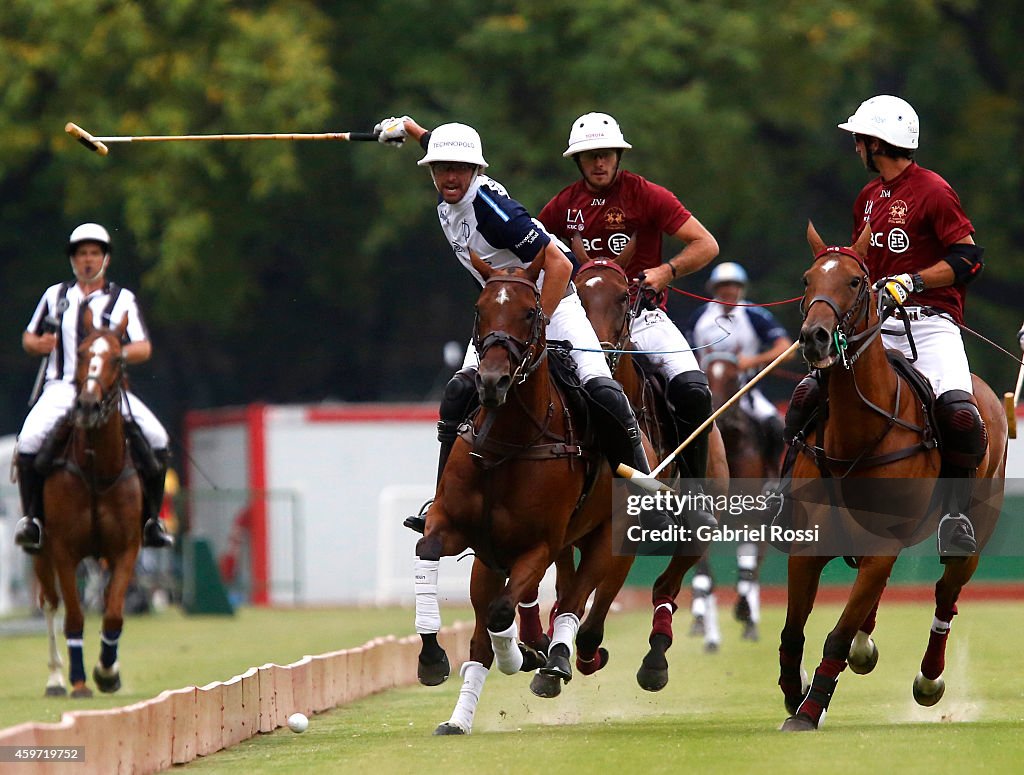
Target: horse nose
{"points": [[493, 388], [815, 341]]}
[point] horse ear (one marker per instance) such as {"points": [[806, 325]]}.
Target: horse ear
{"points": [[532, 272], [87, 318], [626, 255], [579, 250], [860, 247], [481, 266], [814, 240]]}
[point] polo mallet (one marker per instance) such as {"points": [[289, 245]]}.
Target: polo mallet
{"points": [[99, 144], [50, 325], [1010, 402], [650, 481]]}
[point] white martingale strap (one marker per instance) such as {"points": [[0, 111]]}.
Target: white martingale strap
{"points": [[940, 627], [564, 631], [428, 614], [506, 649], [473, 676]]}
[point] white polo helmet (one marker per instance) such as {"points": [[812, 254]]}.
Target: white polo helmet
{"points": [[89, 232], [727, 272], [887, 118], [592, 131], [454, 142]]}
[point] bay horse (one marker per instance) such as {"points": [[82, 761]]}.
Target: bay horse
{"points": [[519, 486], [93, 508], [604, 289], [876, 429]]}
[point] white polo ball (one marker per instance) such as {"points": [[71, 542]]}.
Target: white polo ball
{"points": [[297, 722]]}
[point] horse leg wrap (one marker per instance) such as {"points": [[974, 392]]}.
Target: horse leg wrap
{"points": [[473, 676], [662, 621], [75, 659], [428, 614], [712, 632], [108, 648], [564, 631], [823, 685], [934, 661], [701, 587], [529, 620], [505, 645]]}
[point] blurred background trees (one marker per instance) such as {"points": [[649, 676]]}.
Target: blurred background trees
{"points": [[296, 272]]}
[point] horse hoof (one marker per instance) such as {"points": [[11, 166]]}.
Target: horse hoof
{"points": [[558, 663], [448, 728], [792, 704], [928, 692], [798, 723], [433, 673], [697, 627], [532, 660], [711, 647], [750, 632], [546, 686], [861, 664], [108, 681], [652, 679], [81, 693], [56, 691]]}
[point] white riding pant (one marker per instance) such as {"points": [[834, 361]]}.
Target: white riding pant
{"points": [[569, 323], [58, 398], [653, 330], [940, 350], [757, 405]]}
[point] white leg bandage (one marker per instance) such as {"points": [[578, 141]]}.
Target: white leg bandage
{"points": [[566, 627], [506, 649], [428, 614], [711, 632], [473, 676], [700, 587], [754, 601]]}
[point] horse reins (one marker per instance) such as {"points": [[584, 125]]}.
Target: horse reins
{"points": [[523, 354]]}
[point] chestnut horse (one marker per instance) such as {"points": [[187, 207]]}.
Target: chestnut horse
{"points": [[604, 290], [93, 507], [518, 488], [876, 429]]}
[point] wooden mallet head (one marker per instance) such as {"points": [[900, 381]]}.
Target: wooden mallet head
{"points": [[86, 139]]}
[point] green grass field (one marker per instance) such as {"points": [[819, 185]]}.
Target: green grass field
{"points": [[719, 712]]}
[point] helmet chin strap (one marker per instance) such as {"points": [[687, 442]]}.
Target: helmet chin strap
{"points": [[99, 272]]}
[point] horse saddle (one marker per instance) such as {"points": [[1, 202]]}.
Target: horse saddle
{"points": [[919, 384]]}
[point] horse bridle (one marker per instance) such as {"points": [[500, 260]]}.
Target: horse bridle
{"points": [[844, 334], [524, 355], [615, 348]]}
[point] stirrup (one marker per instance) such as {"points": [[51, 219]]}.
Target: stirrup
{"points": [[955, 536], [418, 523], [29, 535], [154, 536]]}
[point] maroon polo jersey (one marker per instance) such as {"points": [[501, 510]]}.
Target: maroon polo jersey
{"points": [[915, 218], [606, 221]]}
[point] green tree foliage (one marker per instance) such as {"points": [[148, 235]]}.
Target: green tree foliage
{"points": [[295, 272]]}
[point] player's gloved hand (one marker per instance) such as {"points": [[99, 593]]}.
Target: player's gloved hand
{"points": [[649, 298], [391, 131], [894, 291]]}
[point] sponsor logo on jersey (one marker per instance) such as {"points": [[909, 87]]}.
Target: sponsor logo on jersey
{"points": [[617, 242], [528, 239], [597, 202], [464, 226], [457, 247], [898, 241], [574, 220], [898, 211], [614, 218]]}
